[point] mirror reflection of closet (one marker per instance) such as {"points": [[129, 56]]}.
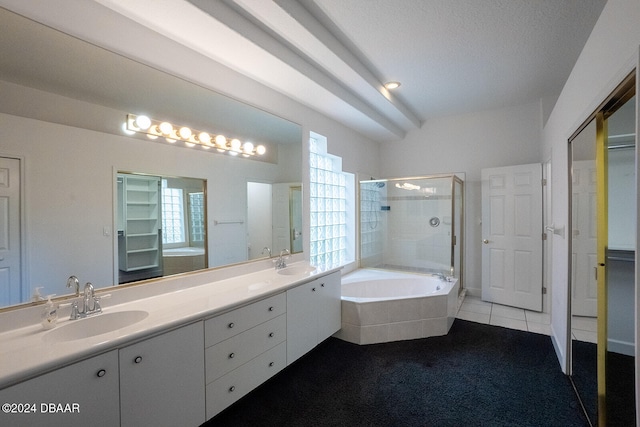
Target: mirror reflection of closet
{"points": [[583, 262], [603, 222], [620, 261]]}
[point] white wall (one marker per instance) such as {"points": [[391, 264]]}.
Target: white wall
{"points": [[468, 143], [85, 177], [608, 56]]}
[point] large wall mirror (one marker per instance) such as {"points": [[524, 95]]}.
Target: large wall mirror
{"points": [[602, 230], [62, 107]]}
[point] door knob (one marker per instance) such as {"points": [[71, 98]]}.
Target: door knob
{"points": [[485, 241]]}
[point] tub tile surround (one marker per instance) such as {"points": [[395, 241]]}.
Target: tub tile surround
{"points": [[396, 320], [170, 302]]}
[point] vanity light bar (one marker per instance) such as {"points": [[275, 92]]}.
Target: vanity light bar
{"points": [[155, 129]]}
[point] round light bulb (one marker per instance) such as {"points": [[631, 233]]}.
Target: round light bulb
{"points": [[152, 136], [142, 122], [221, 141], [260, 149], [166, 128], [236, 144], [184, 132], [247, 147], [204, 137]]}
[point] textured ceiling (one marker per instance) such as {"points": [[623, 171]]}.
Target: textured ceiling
{"points": [[452, 56]]}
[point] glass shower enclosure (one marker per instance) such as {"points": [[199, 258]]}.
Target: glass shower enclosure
{"points": [[412, 224]]}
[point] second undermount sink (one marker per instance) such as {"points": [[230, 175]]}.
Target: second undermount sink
{"points": [[297, 269], [95, 325]]}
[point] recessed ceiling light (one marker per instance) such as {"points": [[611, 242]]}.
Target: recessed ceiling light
{"points": [[392, 85]]}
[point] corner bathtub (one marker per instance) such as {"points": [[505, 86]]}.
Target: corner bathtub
{"points": [[181, 260], [383, 306]]}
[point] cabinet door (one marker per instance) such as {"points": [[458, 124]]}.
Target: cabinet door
{"points": [[301, 320], [85, 393], [162, 379], [329, 305]]}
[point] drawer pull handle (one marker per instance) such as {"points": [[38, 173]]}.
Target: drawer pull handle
{"points": [[313, 289], [232, 389], [231, 325], [138, 359], [322, 285], [271, 334], [271, 308], [101, 373], [232, 355], [270, 364]]}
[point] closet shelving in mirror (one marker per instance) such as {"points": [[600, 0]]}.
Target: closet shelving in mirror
{"points": [[156, 129]]}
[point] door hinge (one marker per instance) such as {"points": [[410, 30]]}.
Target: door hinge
{"points": [[544, 236], [544, 290], [544, 182]]}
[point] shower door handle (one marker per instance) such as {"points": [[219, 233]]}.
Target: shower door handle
{"points": [[485, 241]]}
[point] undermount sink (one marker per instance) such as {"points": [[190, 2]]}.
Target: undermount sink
{"points": [[94, 325], [297, 269]]}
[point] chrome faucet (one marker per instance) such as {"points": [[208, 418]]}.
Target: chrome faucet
{"points": [[266, 248], [73, 280], [281, 261], [88, 300], [90, 304], [442, 277]]}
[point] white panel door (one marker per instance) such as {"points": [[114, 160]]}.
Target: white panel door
{"points": [[9, 231], [584, 287], [512, 236]]}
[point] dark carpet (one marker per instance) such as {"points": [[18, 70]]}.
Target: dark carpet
{"points": [[620, 386], [477, 375]]}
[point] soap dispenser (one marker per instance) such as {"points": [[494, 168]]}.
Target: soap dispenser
{"points": [[49, 316]]}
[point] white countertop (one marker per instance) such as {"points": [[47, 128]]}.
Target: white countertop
{"points": [[24, 353]]}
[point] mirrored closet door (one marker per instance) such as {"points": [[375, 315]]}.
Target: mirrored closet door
{"points": [[602, 286]]}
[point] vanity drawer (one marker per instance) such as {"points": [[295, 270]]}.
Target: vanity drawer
{"points": [[231, 387], [229, 324], [230, 354]]}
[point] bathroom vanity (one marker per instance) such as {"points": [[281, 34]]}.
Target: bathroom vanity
{"points": [[194, 353]]}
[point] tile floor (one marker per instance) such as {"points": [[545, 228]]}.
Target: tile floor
{"points": [[476, 310]]}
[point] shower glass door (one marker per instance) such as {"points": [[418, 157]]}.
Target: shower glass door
{"points": [[412, 224]]}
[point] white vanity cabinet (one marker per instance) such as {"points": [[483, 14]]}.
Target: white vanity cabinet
{"points": [[313, 314], [243, 348], [162, 381], [85, 393]]}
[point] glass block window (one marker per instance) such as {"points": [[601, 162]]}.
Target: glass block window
{"points": [[172, 215], [328, 207], [196, 217]]}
